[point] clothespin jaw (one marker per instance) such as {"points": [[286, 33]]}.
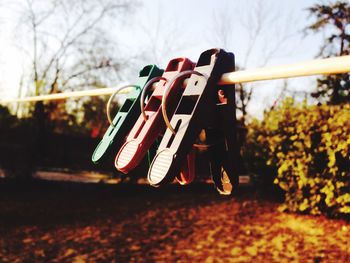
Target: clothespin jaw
{"points": [[150, 123], [188, 169], [195, 111], [125, 118]]}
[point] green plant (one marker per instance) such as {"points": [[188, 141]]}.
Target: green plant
{"points": [[309, 146]]}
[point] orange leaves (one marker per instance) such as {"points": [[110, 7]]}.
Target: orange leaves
{"points": [[176, 226], [27, 240], [69, 252]]}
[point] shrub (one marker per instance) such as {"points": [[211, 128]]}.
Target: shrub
{"points": [[6, 119], [309, 148]]}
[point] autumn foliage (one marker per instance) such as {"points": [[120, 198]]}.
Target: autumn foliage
{"points": [[308, 147]]}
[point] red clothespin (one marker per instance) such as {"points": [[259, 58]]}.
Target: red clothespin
{"points": [[150, 123]]}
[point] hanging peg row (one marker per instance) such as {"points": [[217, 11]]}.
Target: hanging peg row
{"points": [[186, 100]]}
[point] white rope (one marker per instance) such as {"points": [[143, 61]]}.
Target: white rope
{"points": [[326, 66], [66, 95]]}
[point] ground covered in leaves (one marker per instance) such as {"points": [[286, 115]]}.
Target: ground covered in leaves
{"points": [[65, 222]]}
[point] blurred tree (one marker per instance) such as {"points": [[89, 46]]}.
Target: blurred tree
{"points": [[163, 37], [334, 20], [261, 25], [6, 119], [69, 48], [94, 119], [16, 151]]}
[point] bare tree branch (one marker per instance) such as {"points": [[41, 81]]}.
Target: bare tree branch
{"points": [[260, 27]]}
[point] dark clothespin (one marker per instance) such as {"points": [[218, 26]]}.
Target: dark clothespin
{"points": [[203, 105]]}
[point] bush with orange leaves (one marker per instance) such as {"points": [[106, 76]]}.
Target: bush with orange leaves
{"points": [[309, 148]]}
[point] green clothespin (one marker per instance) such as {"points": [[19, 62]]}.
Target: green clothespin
{"points": [[125, 118]]}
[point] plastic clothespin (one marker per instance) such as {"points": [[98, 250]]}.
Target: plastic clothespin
{"points": [[225, 160], [196, 110], [125, 118], [150, 124]]}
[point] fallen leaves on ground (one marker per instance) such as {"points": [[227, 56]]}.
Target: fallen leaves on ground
{"points": [[132, 224]]}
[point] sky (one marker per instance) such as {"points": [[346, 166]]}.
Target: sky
{"points": [[185, 28]]}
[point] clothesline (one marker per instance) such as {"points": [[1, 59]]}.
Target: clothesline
{"points": [[327, 66]]}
